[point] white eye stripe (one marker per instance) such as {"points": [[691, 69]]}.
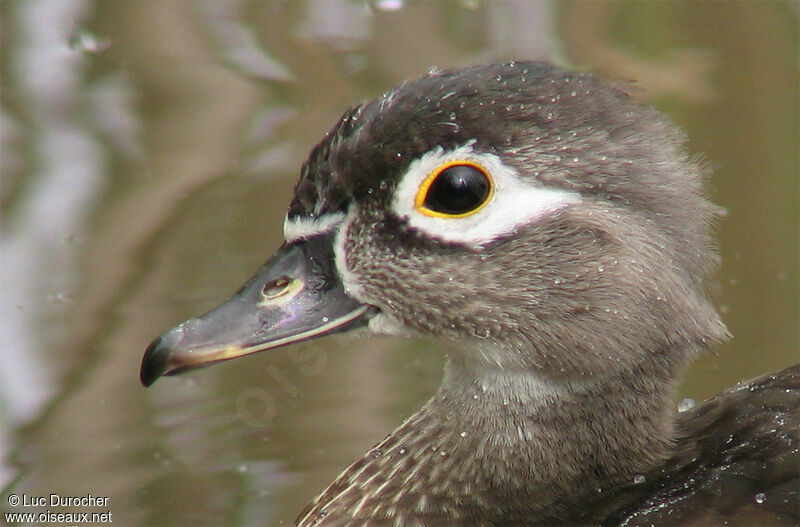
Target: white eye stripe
{"points": [[513, 204], [299, 228]]}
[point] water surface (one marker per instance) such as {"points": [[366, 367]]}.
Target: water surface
{"points": [[149, 150]]}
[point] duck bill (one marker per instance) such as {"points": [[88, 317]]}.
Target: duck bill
{"points": [[297, 295]]}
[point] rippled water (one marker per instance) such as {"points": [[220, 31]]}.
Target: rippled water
{"points": [[149, 150]]}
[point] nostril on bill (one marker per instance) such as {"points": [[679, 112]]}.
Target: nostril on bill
{"points": [[277, 287]]}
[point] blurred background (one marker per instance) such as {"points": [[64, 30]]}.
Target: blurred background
{"points": [[149, 151]]}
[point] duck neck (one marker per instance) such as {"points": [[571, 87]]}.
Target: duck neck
{"points": [[544, 442], [502, 446]]}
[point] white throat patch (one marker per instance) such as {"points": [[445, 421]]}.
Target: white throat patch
{"points": [[513, 204]]}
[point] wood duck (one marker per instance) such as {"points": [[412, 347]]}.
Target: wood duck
{"points": [[556, 233]]}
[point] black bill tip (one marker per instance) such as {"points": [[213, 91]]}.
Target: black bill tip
{"points": [[154, 362]]}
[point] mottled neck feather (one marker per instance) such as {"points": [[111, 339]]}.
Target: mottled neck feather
{"points": [[505, 447]]}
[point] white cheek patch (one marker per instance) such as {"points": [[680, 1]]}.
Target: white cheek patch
{"points": [[299, 228], [513, 204]]}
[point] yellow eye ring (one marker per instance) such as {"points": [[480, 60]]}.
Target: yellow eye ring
{"points": [[456, 189]]}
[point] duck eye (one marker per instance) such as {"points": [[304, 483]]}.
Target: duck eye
{"points": [[454, 190]]}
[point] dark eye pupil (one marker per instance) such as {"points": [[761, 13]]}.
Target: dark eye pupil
{"points": [[457, 189]]}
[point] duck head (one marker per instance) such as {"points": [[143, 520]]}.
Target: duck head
{"points": [[539, 218]]}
